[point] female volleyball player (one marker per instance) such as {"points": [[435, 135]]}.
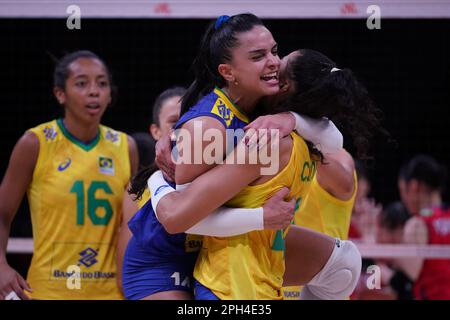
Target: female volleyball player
{"points": [[421, 182], [156, 264], [74, 171], [218, 99], [327, 207], [338, 272], [165, 113]]}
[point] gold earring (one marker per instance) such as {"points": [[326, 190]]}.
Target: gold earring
{"points": [[235, 82]]}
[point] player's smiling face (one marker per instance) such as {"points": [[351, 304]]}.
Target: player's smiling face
{"points": [[88, 91], [255, 63]]}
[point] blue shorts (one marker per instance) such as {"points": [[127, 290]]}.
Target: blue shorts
{"points": [[144, 274], [203, 293]]}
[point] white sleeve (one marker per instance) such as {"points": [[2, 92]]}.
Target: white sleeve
{"points": [[223, 222], [158, 188], [323, 133], [228, 222]]}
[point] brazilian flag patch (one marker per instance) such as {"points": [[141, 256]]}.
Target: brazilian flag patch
{"points": [[106, 165]]}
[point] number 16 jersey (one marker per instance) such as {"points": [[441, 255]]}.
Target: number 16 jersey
{"points": [[75, 199]]}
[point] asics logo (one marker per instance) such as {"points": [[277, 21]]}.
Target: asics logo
{"points": [[64, 165], [160, 188]]}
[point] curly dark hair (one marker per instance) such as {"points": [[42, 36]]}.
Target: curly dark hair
{"points": [[321, 91]]}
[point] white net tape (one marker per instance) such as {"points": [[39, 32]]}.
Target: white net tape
{"points": [[25, 245]]}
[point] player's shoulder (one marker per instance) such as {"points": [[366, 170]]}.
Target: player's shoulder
{"points": [[48, 130], [203, 108], [203, 123], [28, 142], [112, 135]]}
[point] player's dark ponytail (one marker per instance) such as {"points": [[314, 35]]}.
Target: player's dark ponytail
{"points": [[204, 76], [139, 181], [215, 48]]}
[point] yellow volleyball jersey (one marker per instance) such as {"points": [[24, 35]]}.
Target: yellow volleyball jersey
{"points": [[144, 198], [75, 199], [322, 212], [325, 213], [251, 266]]}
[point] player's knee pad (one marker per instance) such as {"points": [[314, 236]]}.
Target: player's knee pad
{"points": [[340, 275]]}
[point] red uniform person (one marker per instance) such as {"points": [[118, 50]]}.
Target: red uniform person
{"points": [[434, 278], [421, 182]]}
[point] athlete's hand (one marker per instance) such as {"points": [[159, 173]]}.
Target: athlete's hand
{"points": [[278, 213], [366, 213], [284, 122], [163, 158], [10, 281]]}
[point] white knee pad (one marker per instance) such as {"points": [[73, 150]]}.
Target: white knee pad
{"points": [[339, 276]]}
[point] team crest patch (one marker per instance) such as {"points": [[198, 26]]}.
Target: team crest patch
{"points": [[50, 133], [222, 111], [106, 165]]}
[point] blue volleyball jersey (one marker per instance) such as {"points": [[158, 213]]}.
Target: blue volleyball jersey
{"points": [[145, 227], [150, 234]]}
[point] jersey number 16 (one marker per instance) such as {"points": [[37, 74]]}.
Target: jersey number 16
{"points": [[93, 203]]}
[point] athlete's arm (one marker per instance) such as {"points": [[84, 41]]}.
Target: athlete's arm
{"points": [[336, 174], [321, 132], [226, 222], [325, 136], [14, 185], [414, 232], [163, 157], [191, 162], [129, 208], [179, 211], [275, 214], [134, 155]]}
